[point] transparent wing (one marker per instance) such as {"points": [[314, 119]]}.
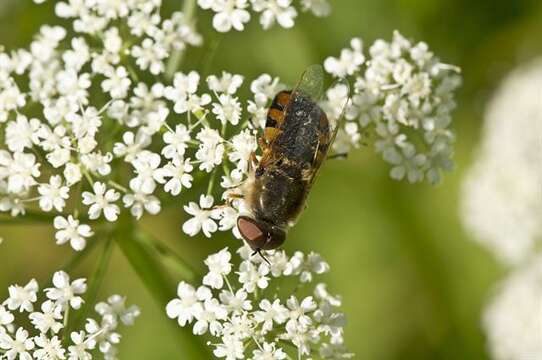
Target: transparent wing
{"points": [[335, 104], [311, 82]]}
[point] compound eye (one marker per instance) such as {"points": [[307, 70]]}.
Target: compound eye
{"points": [[274, 239], [251, 232]]}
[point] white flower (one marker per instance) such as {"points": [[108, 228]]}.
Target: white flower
{"points": [[54, 194], [236, 303], [244, 145], [116, 306], [105, 335], [271, 313], [240, 331], [228, 109], [178, 172], [513, 319], [349, 61], [73, 85], [150, 55], [183, 93], [48, 348], [6, 317], [138, 202], [97, 163], [502, 196], [145, 165], [186, 307], [64, 292], [211, 149], [117, 83], [209, 318], [20, 346], [269, 352], [231, 348], [21, 170], [280, 11], [48, 318], [71, 230], [102, 200], [177, 142], [395, 95], [229, 13], [42, 340], [298, 311], [21, 133], [81, 346], [203, 217], [131, 145], [253, 276], [227, 83], [219, 265], [320, 8], [266, 86], [22, 298]]}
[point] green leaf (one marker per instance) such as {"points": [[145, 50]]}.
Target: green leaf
{"points": [[95, 282], [147, 262]]}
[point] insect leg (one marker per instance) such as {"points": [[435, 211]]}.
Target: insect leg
{"points": [[259, 252], [253, 162], [341, 156]]}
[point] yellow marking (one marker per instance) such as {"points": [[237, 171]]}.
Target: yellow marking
{"points": [[283, 99], [271, 133], [276, 115]]}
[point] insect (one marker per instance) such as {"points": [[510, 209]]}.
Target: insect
{"points": [[295, 143]]}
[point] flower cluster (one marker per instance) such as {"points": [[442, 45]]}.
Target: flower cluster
{"points": [[501, 206], [243, 310], [513, 319], [94, 125], [234, 14], [502, 195], [50, 335], [404, 96]]}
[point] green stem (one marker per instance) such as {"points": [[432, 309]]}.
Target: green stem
{"points": [[175, 60], [65, 331], [99, 274], [148, 267], [96, 280], [32, 216], [169, 257], [211, 54], [79, 256]]}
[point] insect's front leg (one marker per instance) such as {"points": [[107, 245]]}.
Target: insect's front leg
{"points": [[253, 162], [340, 156], [231, 197]]}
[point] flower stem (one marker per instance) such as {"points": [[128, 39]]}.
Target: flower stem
{"points": [[150, 270], [96, 280], [175, 60]]}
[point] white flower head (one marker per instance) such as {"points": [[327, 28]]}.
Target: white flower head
{"points": [[71, 230], [219, 265], [502, 196], [102, 200], [229, 13], [65, 292], [204, 216], [248, 316], [513, 318], [22, 298]]}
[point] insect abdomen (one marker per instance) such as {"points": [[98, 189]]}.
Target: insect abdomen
{"points": [[298, 134]]}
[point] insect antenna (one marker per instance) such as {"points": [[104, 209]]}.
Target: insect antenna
{"points": [[259, 252]]}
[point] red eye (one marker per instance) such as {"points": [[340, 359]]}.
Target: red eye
{"points": [[248, 229]]}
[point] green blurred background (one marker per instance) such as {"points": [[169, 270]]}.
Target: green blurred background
{"points": [[412, 281]]}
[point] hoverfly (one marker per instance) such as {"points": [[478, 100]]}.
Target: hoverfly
{"points": [[295, 142]]}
